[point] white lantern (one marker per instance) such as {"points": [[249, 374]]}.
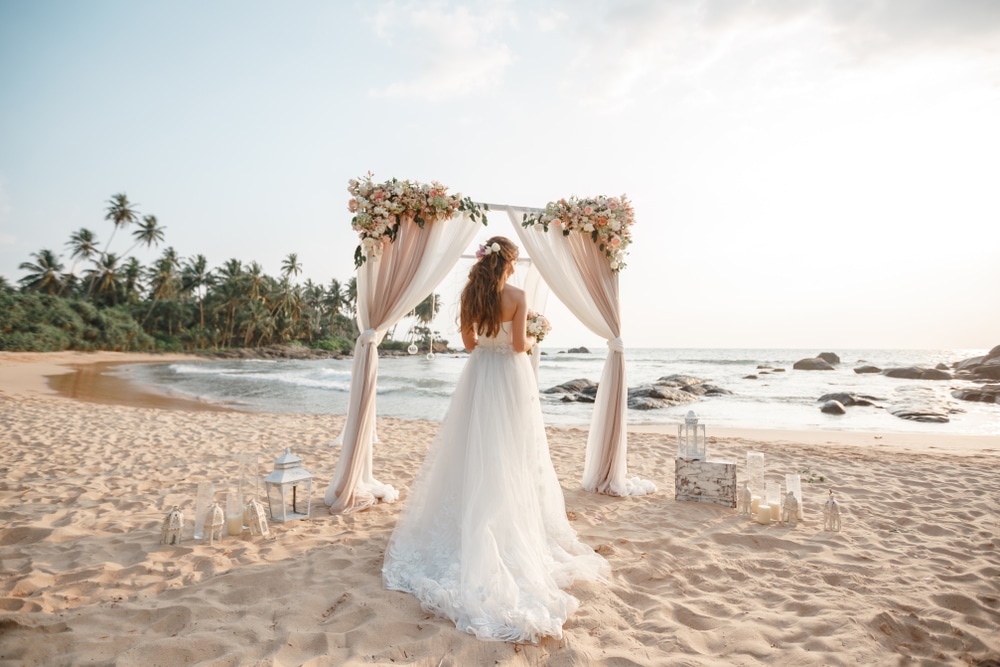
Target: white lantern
{"points": [[743, 501], [257, 519], [173, 525], [790, 515], [284, 487], [831, 514], [691, 438], [214, 521]]}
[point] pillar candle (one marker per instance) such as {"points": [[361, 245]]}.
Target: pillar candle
{"points": [[764, 514]]}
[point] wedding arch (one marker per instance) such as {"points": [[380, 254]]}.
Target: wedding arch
{"points": [[412, 235]]}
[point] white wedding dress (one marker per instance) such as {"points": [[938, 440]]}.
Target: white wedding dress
{"points": [[483, 538]]}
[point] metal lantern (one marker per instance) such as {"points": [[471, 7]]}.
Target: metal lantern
{"points": [[173, 524], [283, 487], [691, 438], [831, 514]]}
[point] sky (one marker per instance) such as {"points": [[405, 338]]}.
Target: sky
{"points": [[815, 174]]}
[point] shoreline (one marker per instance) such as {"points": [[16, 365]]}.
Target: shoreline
{"points": [[83, 376]]}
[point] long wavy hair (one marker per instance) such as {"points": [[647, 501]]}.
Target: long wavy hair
{"points": [[481, 307]]}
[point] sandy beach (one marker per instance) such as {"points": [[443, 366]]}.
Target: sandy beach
{"points": [[86, 479]]}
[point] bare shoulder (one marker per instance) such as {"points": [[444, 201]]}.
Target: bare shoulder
{"points": [[515, 293]]}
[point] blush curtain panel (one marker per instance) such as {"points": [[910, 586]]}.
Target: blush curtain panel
{"points": [[389, 287], [579, 274]]}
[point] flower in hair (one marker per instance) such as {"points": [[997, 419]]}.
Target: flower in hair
{"points": [[487, 250]]}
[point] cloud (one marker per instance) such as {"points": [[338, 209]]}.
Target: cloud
{"points": [[622, 51], [454, 51]]}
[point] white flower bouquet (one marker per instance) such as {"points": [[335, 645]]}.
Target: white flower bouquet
{"points": [[538, 326]]}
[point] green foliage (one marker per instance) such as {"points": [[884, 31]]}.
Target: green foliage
{"points": [[335, 344], [110, 301], [45, 323]]}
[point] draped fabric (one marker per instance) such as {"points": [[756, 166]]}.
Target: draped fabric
{"points": [[581, 277], [389, 287]]}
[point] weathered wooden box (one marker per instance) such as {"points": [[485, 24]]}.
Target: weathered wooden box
{"points": [[705, 481]]}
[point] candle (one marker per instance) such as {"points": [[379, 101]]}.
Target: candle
{"points": [[776, 513], [764, 514], [754, 504], [234, 524]]}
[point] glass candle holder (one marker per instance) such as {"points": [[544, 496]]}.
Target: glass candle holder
{"points": [[204, 500], [793, 484], [234, 514], [755, 473]]}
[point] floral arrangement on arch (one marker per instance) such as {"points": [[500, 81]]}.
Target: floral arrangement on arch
{"points": [[607, 220], [378, 208]]}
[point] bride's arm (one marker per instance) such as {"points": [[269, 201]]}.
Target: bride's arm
{"points": [[520, 339], [469, 337]]}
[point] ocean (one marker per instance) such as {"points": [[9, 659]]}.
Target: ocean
{"points": [[415, 387]]}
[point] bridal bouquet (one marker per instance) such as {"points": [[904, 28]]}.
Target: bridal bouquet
{"points": [[378, 207], [607, 220], [538, 326]]}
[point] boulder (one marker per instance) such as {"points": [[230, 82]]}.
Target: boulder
{"points": [[848, 399], [828, 357], [989, 393], [572, 387], [985, 368], [833, 408], [680, 380], [813, 364], [917, 373], [867, 369], [577, 350]]}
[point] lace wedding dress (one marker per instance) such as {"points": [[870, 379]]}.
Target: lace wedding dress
{"points": [[483, 538]]}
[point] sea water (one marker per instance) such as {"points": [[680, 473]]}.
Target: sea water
{"points": [[415, 387]]}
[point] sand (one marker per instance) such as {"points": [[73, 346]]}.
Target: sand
{"points": [[913, 577]]}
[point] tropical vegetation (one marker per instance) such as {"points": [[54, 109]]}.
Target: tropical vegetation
{"points": [[99, 299]]}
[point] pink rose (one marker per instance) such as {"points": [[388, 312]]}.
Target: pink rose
{"points": [[379, 195], [588, 210], [352, 205], [615, 242]]}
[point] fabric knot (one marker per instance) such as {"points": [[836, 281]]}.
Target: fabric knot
{"points": [[617, 345], [367, 336]]}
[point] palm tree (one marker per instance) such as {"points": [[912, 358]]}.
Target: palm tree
{"points": [[83, 244], [194, 277], [229, 280], [351, 295], [291, 265], [163, 281], [150, 233], [255, 281], [131, 275], [45, 273], [120, 211], [104, 277], [427, 309], [333, 298]]}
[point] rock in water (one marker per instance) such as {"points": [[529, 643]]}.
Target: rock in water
{"points": [[833, 408], [813, 364]]}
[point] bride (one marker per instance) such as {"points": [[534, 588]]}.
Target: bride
{"points": [[483, 539]]}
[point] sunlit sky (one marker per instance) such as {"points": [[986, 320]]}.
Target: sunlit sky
{"points": [[816, 174]]}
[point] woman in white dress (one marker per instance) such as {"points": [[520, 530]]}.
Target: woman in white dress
{"points": [[483, 538]]}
